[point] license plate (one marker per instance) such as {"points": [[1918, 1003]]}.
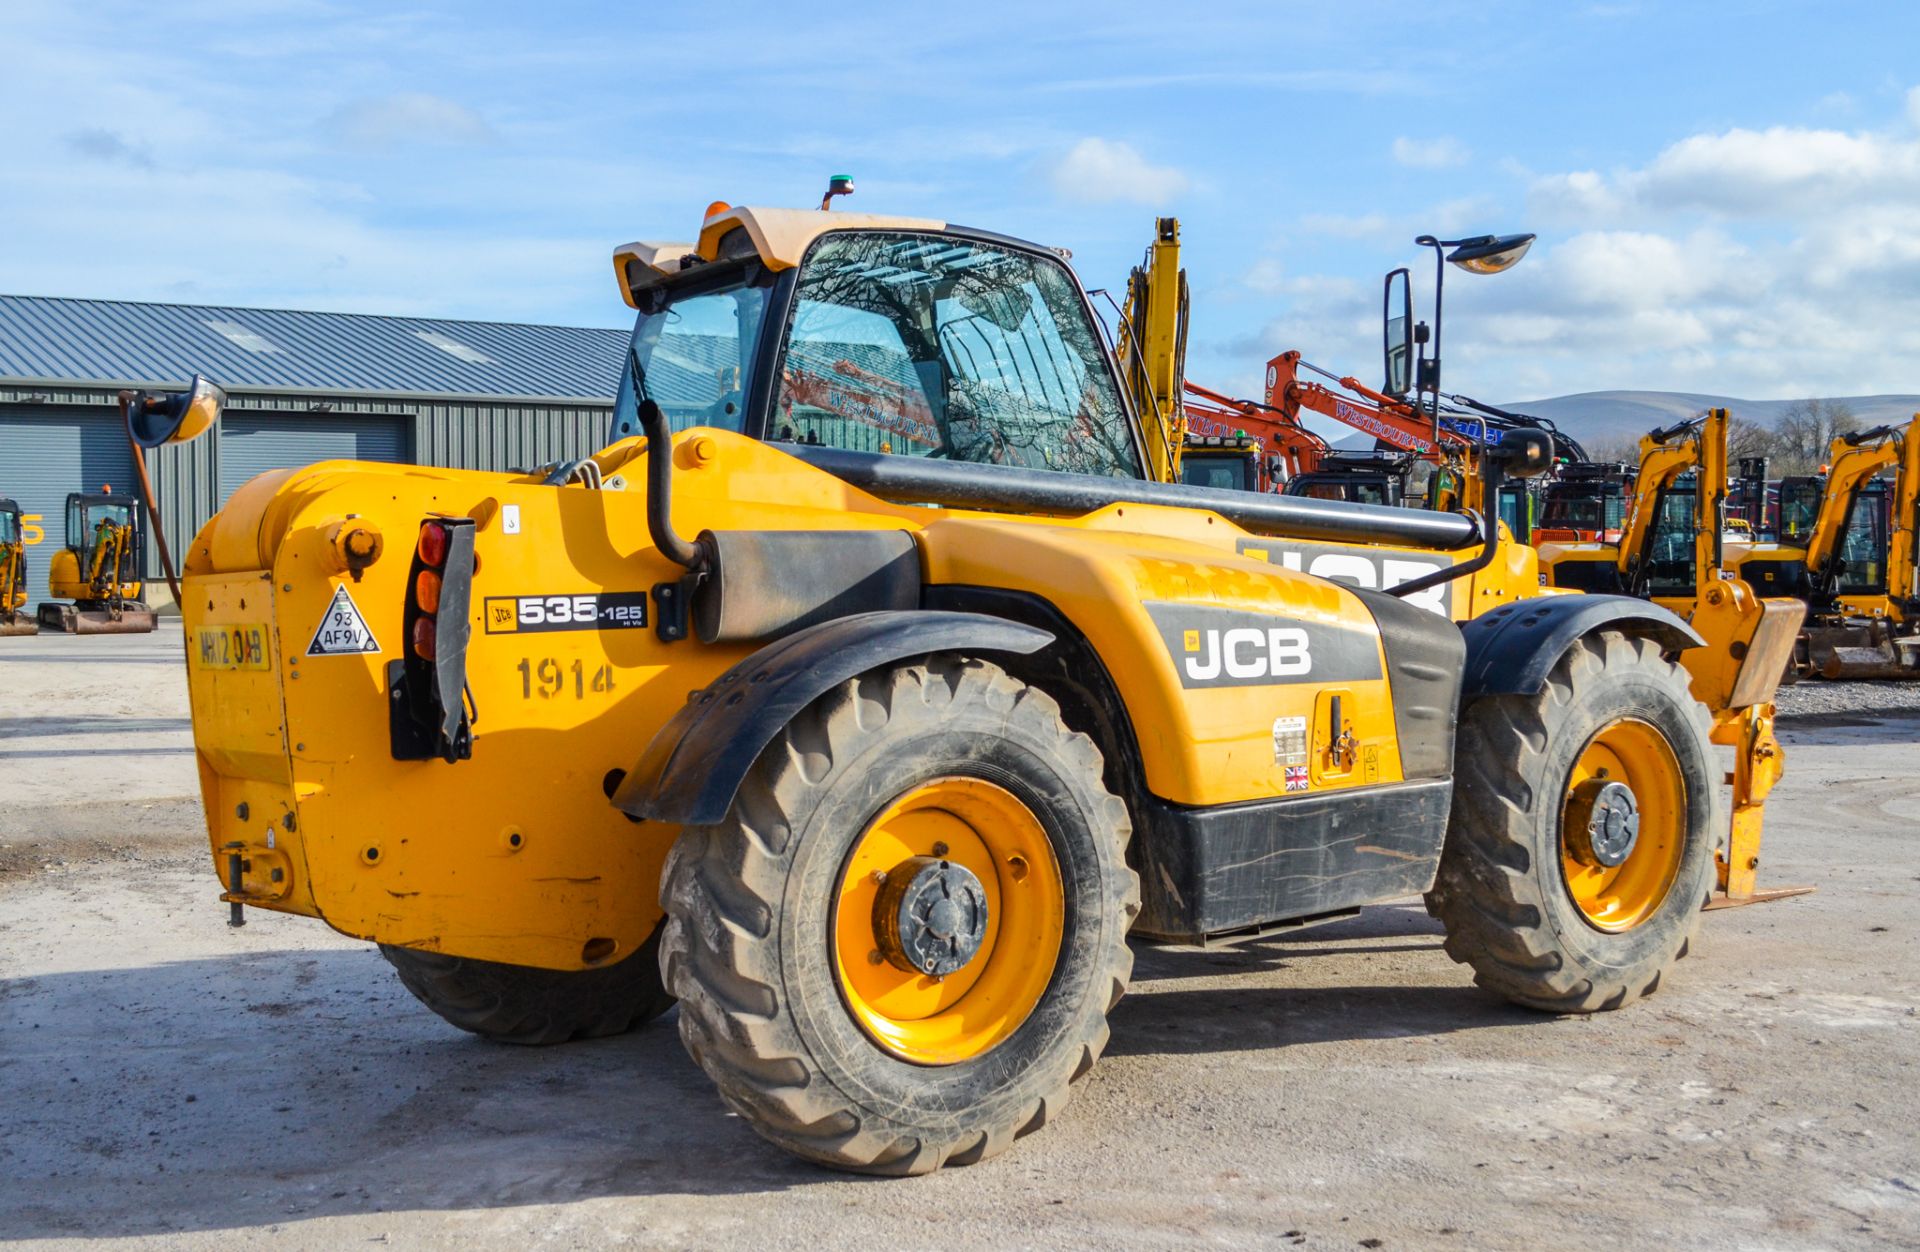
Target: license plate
{"points": [[232, 647]]}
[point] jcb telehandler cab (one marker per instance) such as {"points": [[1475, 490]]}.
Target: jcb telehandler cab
{"points": [[98, 572], [875, 759], [13, 573]]}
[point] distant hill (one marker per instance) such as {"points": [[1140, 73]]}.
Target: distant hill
{"points": [[1599, 416]]}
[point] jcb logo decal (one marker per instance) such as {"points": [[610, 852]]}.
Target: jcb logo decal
{"points": [[1213, 647], [1247, 652], [1376, 569]]}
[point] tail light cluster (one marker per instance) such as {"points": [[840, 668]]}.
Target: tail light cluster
{"points": [[432, 708]]}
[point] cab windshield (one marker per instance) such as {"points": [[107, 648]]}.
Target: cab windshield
{"points": [[900, 343], [696, 348], [956, 349], [85, 519], [9, 526], [1584, 512], [1222, 473]]}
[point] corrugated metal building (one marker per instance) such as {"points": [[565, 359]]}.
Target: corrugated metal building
{"points": [[302, 387]]}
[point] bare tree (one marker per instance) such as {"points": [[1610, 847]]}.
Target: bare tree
{"points": [[1745, 439], [1804, 432], [1614, 448]]}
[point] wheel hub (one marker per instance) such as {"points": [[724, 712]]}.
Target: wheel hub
{"points": [[930, 916], [1603, 822]]}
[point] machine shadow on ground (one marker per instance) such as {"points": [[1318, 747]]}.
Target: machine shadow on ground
{"points": [[1895, 722], [1163, 1016], [282, 1085]]}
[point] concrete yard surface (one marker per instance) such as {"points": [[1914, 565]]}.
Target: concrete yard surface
{"points": [[167, 1081]]}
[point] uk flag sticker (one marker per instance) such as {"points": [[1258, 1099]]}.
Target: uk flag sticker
{"points": [[1297, 778]]}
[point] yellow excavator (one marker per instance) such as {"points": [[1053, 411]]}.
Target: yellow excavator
{"points": [[1855, 565], [13, 573], [875, 759], [97, 573], [1753, 637]]}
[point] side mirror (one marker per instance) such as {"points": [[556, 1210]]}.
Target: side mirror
{"points": [[1397, 321], [1524, 452], [173, 417]]}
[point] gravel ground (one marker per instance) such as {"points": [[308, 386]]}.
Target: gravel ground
{"points": [[167, 1081], [1815, 698]]}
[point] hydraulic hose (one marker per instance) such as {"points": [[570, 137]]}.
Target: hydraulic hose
{"points": [[653, 423]]}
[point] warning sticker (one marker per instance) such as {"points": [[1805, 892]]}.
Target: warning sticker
{"points": [[342, 631], [1290, 741]]}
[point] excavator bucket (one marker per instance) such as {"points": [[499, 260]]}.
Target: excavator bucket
{"points": [[18, 624], [1864, 651], [130, 619]]}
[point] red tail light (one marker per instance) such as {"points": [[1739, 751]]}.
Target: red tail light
{"points": [[423, 638], [433, 707], [433, 544]]}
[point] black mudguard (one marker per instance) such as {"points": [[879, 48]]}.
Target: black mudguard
{"points": [[690, 771], [1511, 650]]}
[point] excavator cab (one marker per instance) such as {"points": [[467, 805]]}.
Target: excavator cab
{"points": [[13, 572], [1861, 558], [1357, 478], [98, 572], [1233, 462], [1586, 503], [1799, 507]]}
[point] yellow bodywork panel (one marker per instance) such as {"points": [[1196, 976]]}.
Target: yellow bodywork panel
{"points": [[1188, 634], [516, 855], [66, 580]]}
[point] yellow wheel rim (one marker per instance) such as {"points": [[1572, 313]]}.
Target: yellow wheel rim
{"points": [[1621, 896], [988, 831]]}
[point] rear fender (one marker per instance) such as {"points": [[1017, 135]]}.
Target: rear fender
{"points": [[690, 771]]}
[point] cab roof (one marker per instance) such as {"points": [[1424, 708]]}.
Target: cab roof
{"points": [[779, 237]]}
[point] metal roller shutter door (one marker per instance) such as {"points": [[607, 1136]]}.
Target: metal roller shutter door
{"points": [[252, 443], [47, 452]]}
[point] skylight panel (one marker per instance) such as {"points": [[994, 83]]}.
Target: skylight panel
{"points": [[453, 347], [241, 337]]}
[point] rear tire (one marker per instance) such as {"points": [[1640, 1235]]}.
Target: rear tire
{"points": [[1538, 919], [526, 1005], [771, 937]]}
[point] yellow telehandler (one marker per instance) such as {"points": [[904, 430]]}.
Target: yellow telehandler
{"points": [[870, 728], [13, 573]]}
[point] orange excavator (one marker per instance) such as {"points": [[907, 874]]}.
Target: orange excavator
{"points": [[1265, 449]]}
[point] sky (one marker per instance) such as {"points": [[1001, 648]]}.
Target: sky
{"points": [[1727, 194]]}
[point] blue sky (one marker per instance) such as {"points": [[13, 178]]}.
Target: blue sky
{"points": [[1727, 194]]}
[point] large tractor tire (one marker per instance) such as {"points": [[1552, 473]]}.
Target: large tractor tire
{"points": [[1581, 844], [522, 1004], [900, 947]]}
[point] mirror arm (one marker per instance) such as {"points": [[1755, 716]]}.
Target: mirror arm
{"points": [[132, 402]]}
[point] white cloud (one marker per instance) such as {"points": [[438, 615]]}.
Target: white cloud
{"points": [[1430, 154], [1782, 173], [1101, 170], [408, 118]]}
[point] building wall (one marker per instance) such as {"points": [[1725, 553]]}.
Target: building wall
{"points": [[455, 433]]}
